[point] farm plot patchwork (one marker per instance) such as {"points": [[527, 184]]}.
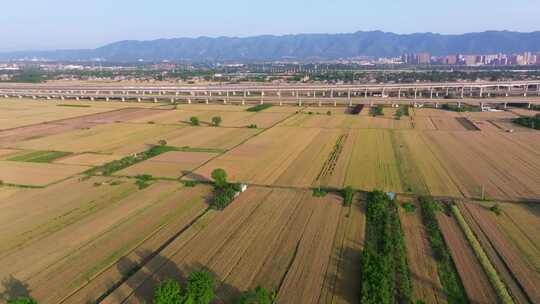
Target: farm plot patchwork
{"points": [[253, 243], [76, 242], [207, 137], [263, 159], [231, 118], [170, 164]]}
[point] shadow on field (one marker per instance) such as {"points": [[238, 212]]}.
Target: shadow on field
{"points": [[195, 176], [11, 288], [161, 268]]}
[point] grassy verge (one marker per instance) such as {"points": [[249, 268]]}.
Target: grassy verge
{"points": [[492, 274], [529, 122], [259, 107], [384, 272], [202, 150], [450, 280], [39, 156], [117, 165]]}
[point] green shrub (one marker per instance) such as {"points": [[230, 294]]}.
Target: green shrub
{"points": [[496, 209], [259, 107], [200, 288], [319, 192], [408, 207], [348, 194], [194, 121], [258, 295], [168, 292], [23, 300], [191, 183], [216, 121], [252, 126]]}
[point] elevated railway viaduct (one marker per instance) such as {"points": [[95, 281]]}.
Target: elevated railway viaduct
{"points": [[476, 93]]}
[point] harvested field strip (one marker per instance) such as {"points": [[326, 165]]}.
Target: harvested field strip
{"points": [[421, 168], [342, 282], [26, 174], [512, 267], [425, 282], [492, 274], [305, 277], [303, 171], [39, 156], [373, 164], [384, 271], [447, 273], [520, 224], [473, 277], [330, 164]]}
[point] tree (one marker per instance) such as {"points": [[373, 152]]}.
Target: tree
{"points": [[216, 121], [200, 288], [162, 142], [398, 114], [257, 296], [168, 292], [194, 120], [220, 177]]}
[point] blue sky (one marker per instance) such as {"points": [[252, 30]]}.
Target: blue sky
{"points": [[57, 24]]}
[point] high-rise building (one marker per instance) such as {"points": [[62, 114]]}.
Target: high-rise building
{"points": [[423, 58], [450, 59]]}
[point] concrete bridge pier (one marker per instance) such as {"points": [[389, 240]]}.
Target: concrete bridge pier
{"points": [[399, 93], [320, 104], [365, 93], [280, 103], [189, 101], [243, 101], [505, 105], [106, 98], [123, 99], [529, 106], [207, 101], [91, 98], [172, 100], [459, 104], [335, 103], [34, 97], [436, 105], [299, 103], [430, 93], [77, 98], [415, 93]]}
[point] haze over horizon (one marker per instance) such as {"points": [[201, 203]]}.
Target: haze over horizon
{"points": [[36, 25]]}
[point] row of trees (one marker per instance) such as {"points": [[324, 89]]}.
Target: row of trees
{"points": [[216, 121], [384, 271], [200, 290]]}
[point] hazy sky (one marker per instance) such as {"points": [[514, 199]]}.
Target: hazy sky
{"points": [[57, 24]]}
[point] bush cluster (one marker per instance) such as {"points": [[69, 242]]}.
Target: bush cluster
{"points": [[258, 295], [224, 192], [199, 290], [259, 107]]}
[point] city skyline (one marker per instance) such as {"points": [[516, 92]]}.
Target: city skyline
{"points": [[33, 25]]}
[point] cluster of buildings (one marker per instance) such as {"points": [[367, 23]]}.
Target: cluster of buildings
{"points": [[526, 58]]}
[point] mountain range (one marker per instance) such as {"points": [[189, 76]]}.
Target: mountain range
{"points": [[295, 47]]}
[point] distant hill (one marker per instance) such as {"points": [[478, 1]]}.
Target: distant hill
{"points": [[297, 47]]}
